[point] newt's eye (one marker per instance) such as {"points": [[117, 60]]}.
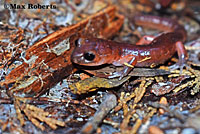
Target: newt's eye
{"points": [[89, 56]]}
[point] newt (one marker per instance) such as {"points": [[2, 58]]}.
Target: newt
{"points": [[96, 51]]}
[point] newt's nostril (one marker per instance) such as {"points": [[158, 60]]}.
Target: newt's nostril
{"points": [[78, 42]]}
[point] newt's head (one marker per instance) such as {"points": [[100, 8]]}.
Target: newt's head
{"points": [[91, 52]]}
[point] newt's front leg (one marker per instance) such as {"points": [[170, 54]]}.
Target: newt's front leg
{"points": [[126, 70]]}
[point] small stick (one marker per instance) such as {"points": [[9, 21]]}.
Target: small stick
{"points": [[110, 101]]}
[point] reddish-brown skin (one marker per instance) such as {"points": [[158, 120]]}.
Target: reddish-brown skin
{"points": [[95, 51], [165, 3]]}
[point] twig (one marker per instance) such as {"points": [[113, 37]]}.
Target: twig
{"points": [[109, 103]]}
